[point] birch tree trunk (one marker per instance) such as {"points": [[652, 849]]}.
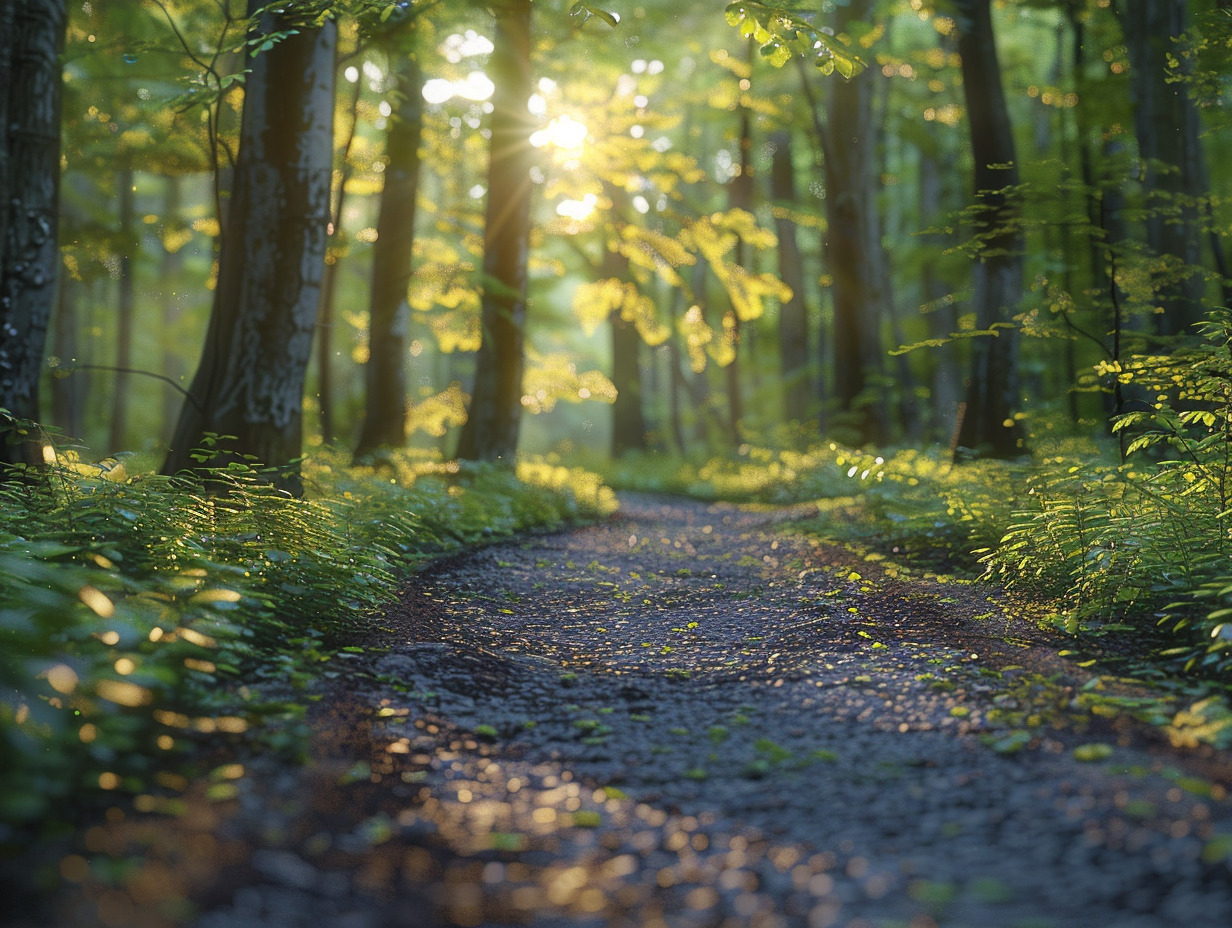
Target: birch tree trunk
{"points": [[31, 41], [495, 414], [248, 389]]}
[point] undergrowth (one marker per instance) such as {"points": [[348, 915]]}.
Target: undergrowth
{"points": [[1143, 545], [144, 621], [1125, 553], [914, 504]]}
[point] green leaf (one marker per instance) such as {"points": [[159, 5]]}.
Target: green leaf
{"points": [[1090, 753], [1011, 743]]}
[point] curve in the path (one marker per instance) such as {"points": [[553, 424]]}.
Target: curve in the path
{"points": [[762, 687], [692, 715]]}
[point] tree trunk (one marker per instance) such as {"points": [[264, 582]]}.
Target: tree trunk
{"points": [[248, 390], [850, 209], [385, 372], [628, 421], [68, 392], [989, 425], [941, 312], [1167, 127], [793, 315], [628, 418], [675, 362], [336, 248], [31, 40], [494, 418], [172, 267], [323, 339], [740, 196], [848, 144], [1096, 245], [903, 379], [125, 310]]}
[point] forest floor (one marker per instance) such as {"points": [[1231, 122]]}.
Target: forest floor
{"points": [[694, 715]]}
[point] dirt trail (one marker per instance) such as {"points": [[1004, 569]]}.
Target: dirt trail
{"points": [[691, 716]]}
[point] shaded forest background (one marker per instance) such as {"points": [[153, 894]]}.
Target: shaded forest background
{"points": [[721, 250]]}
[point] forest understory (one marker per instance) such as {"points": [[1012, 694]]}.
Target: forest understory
{"points": [[694, 714]]}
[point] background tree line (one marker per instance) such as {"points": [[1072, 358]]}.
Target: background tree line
{"points": [[879, 222]]}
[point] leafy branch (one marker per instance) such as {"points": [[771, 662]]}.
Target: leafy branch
{"points": [[784, 33]]}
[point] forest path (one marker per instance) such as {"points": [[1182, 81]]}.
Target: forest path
{"points": [[691, 716]]}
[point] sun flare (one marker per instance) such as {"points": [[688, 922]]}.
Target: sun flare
{"points": [[563, 133], [577, 210]]}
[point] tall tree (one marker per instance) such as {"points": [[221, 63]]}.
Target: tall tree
{"points": [[385, 396], [248, 389], [628, 413], [740, 196], [989, 424], [31, 40], [494, 416], [793, 314], [1168, 131], [852, 245], [126, 306], [174, 238]]}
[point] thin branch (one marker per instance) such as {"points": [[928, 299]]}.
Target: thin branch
{"points": [[819, 129], [209, 70], [188, 397]]}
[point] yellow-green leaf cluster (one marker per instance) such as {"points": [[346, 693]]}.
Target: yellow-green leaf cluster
{"points": [[554, 378]]}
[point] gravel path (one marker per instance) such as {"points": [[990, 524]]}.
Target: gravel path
{"points": [[691, 716]]}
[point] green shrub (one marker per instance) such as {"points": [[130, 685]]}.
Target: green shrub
{"points": [[1145, 543], [142, 619]]}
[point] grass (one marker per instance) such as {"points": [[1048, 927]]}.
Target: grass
{"points": [[145, 626]]}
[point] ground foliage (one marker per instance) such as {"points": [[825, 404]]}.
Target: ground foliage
{"points": [[147, 623], [1127, 541]]}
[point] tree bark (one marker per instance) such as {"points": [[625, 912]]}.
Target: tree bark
{"points": [[946, 373], [68, 391], [323, 339], [31, 41], [848, 144], [850, 219], [989, 425], [248, 390], [385, 372], [125, 310], [1167, 126], [740, 196], [494, 418], [628, 416], [336, 248], [172, 267], [793, 315]]}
